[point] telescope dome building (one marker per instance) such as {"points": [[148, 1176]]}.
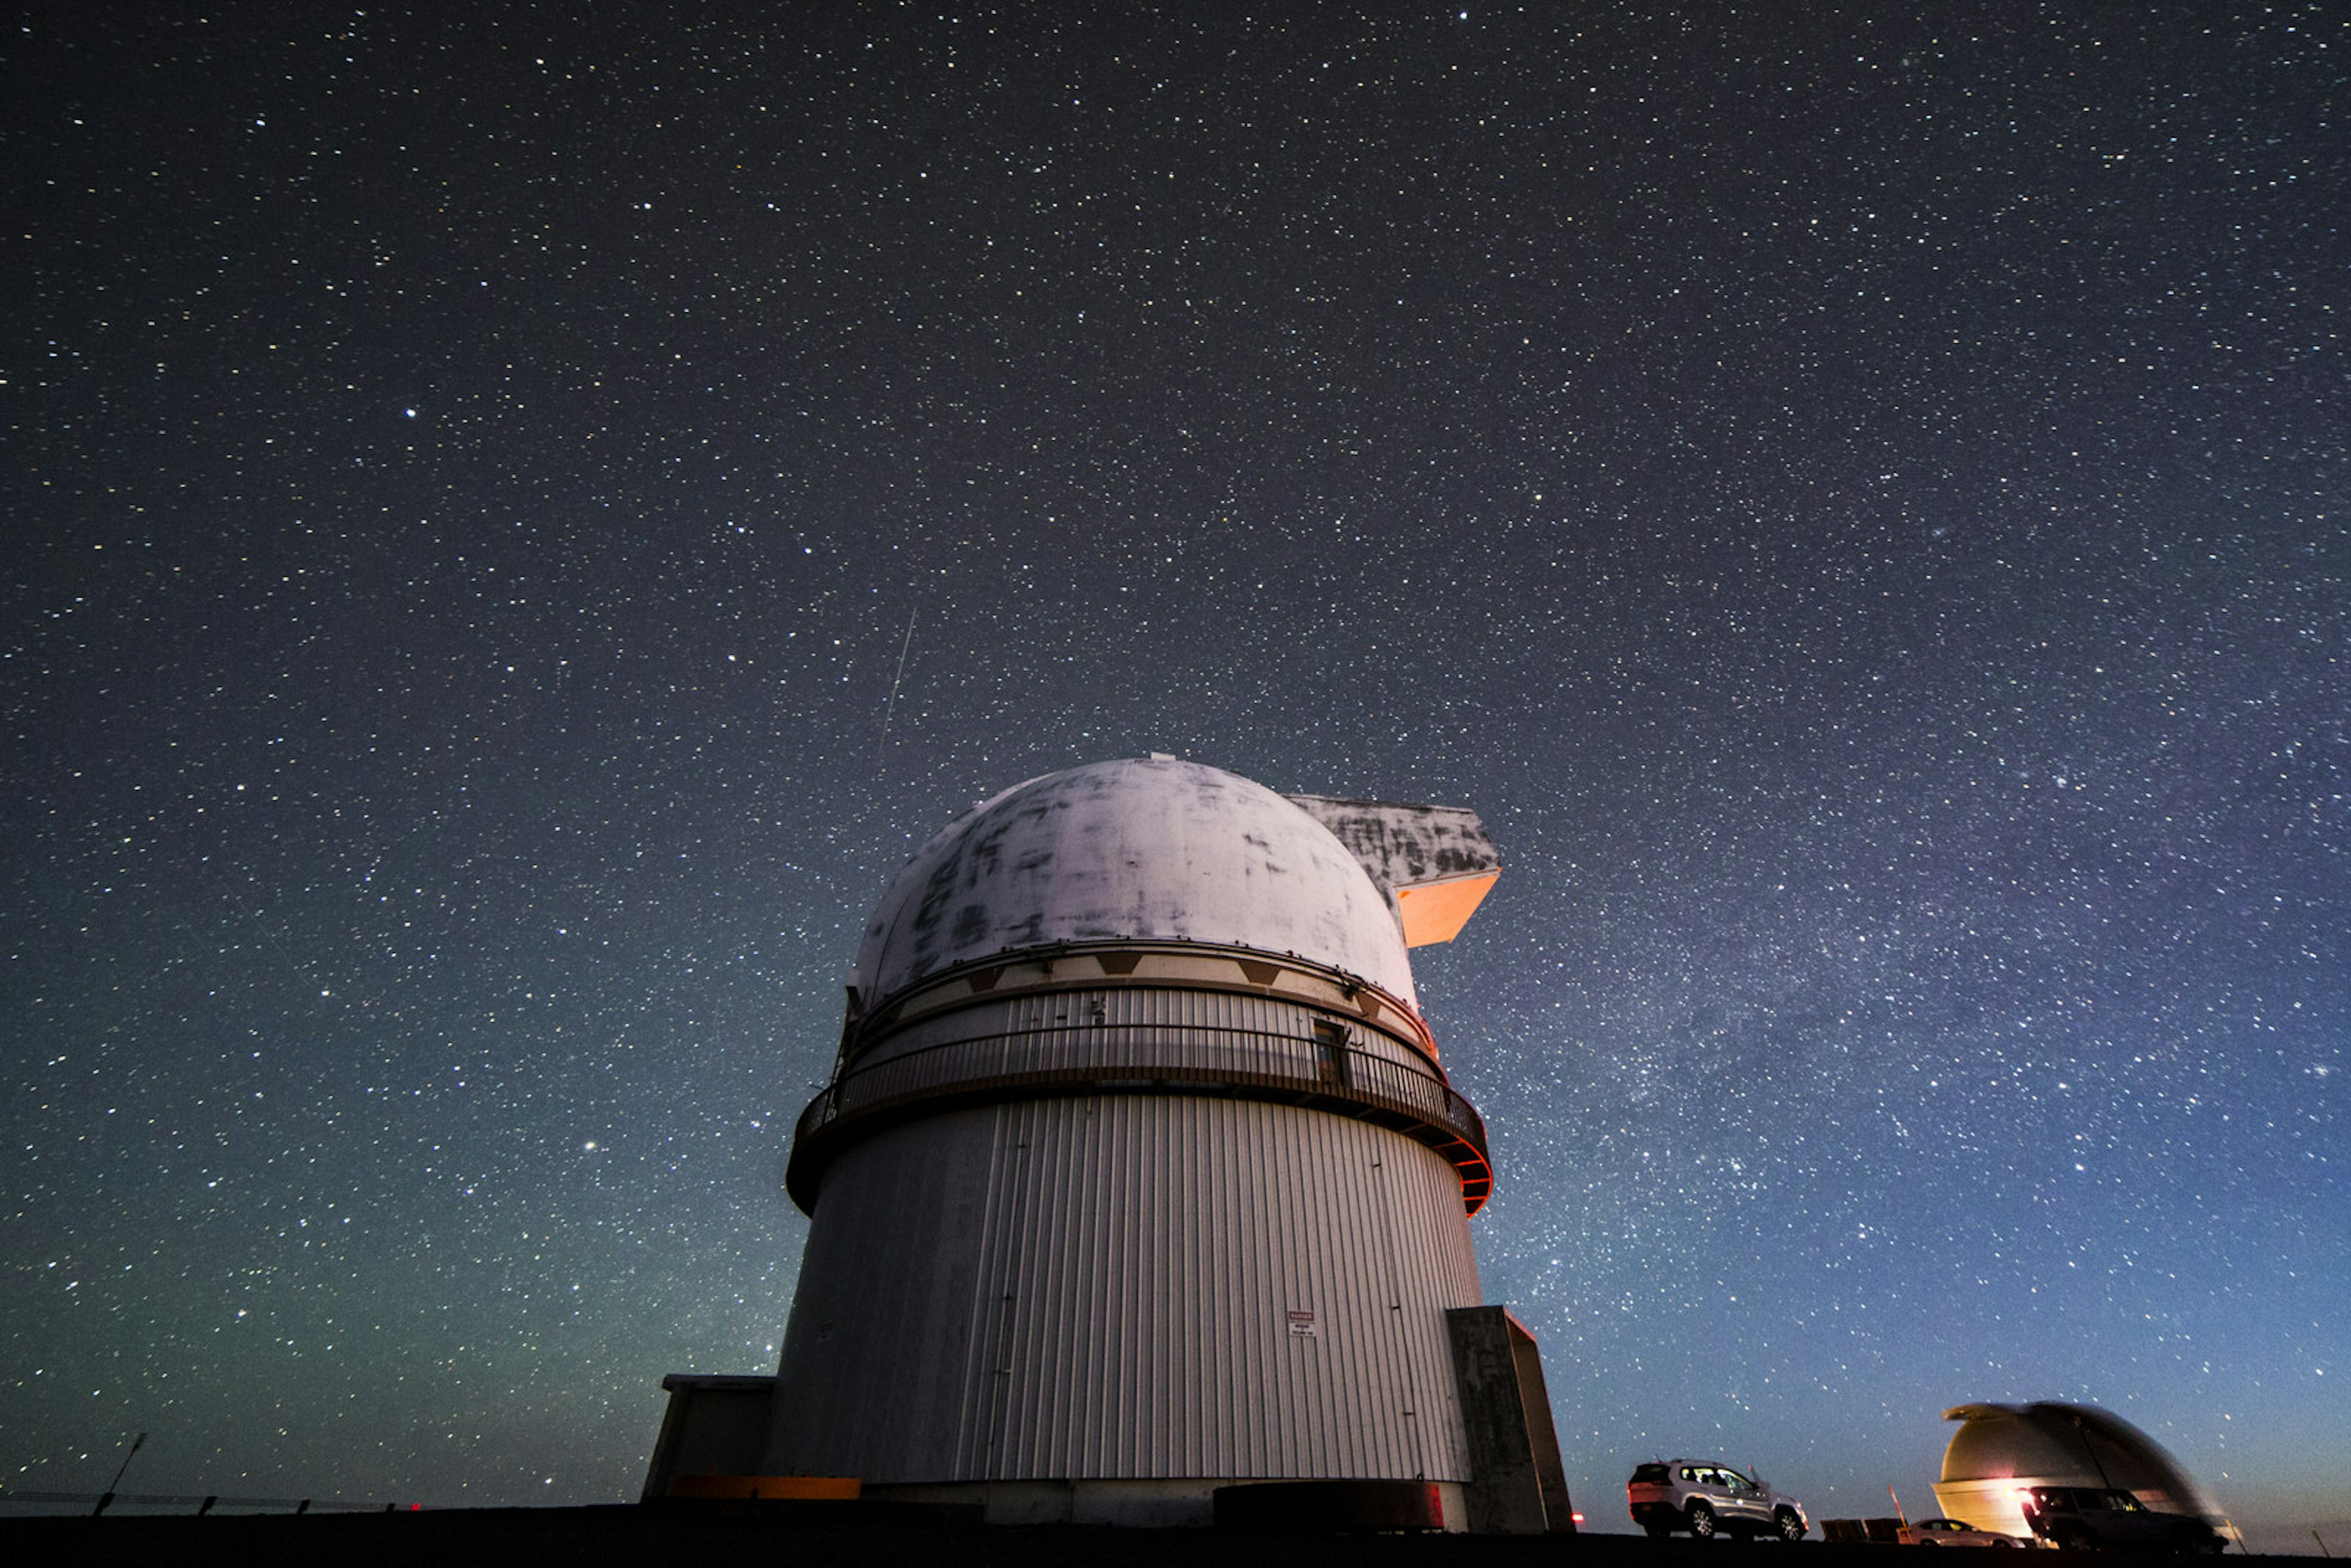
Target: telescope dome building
{"points": [[1138, 1176], [2000, 1449]]}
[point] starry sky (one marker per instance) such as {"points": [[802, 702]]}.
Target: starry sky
{"points": [[520, 519]]}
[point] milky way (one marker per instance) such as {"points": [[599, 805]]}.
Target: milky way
{"points": [[519, 522]]}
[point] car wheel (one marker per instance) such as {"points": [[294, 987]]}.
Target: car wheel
{"points": [[2073, 1538], [1701, 1521], [1789, 1527], [1657, 1531]]}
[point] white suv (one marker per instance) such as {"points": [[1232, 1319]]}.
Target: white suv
{"points": [[1710, 1499]]}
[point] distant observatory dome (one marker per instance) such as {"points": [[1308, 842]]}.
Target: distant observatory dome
{"points": [[1136, 849], [2000, 1448], [1998, 1442]]}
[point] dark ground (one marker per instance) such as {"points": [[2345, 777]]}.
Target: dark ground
{"points": [[584, 1537]]}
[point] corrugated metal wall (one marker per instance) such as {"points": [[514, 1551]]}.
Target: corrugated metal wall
{"points": [[1129, 1286]]}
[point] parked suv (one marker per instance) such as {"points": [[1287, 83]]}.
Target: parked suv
{"points": [[2087, 1517], [1708, 1500]]}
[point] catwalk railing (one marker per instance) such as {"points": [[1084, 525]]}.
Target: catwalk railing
{"points": [[1142, 1059]]}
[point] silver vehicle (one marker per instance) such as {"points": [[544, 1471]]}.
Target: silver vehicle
{"points": [[1710, 1499]]}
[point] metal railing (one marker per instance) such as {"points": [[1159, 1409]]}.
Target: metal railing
{"points": [[1142, 1058]]}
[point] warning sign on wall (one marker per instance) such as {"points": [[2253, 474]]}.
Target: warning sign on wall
{"points": [[1302, 1324]]}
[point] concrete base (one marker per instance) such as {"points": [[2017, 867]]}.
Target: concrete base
{"points": [[1519, 1487]]}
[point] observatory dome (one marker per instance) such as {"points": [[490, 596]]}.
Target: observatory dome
{"points": [[2001, 1442], [2080, 1443], [1139, 849], [2000, 1448]]}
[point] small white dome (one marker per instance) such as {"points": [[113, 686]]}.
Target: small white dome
{"points": [[1141, 849]]}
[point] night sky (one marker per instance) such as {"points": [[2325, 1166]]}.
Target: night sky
{"points": [[520, 517]]}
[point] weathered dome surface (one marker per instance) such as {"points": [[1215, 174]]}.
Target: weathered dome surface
{"points": [[1139, 848]]}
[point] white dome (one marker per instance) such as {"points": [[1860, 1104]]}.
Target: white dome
{"points": [[1141, 849]]}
